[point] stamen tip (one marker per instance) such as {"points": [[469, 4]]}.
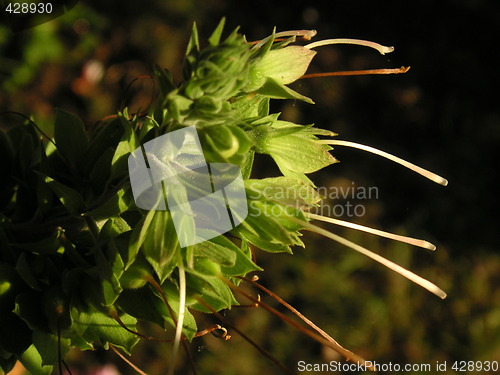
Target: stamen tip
{"points": [[442, 295], [385, 50], [429, 246]]}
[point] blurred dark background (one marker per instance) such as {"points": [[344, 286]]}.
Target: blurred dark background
{"points": [[442, 115]]}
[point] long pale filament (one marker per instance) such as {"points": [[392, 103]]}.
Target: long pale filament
{"points": [[391, 265], [424, 172], [180, 318], [409, 240], [359, 42]]}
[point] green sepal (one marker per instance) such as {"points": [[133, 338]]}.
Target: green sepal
{"points": [[276, 90], [214, 39], [285, 190]]}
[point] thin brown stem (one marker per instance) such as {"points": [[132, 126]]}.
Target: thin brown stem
{"points": [[291, 308], [403, 69], [250, 306], [264, 352], [332, 344], [127, 361]]}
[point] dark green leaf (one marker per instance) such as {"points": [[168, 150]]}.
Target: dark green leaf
{"points": [[127, 145], [47, 346], [70, 136], [71, 198], [115, 205], [138, 236], [7, 361], [24, 270]]}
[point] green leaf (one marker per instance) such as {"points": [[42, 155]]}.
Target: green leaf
{"points": [[49, 245], [243, 264], [161, 245], [101, 171], [24, 271], [143, 304], [15, 336], [218, 249], [106, 136], [71, 198], [98, 328], [210, 288], [110, 268], [127, 145], [47, 346], [70, 136], [115, 205], [28, 308], [138, 236], [136, 274], [264, 230], [32, 361]]}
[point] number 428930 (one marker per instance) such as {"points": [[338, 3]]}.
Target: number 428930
{"points": [[24, 8]]}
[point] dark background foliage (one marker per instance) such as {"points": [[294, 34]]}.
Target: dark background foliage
{"points": [[442, 115]]}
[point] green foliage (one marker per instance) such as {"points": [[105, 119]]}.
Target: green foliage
{"points": [[79, 260]]}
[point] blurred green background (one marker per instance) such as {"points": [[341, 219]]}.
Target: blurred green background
{"points": [[442, 115]]}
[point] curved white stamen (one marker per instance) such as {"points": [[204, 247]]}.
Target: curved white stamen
{"points": [[424, 172], [180, 317], [409, 240], [393, 266], [379, 47], [305, 34]]}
